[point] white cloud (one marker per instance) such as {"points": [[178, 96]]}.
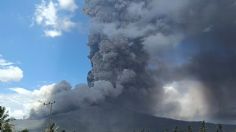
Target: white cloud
{"points": [[68, 5], [52, 33], [21, 91], [22, 100], [9, 72], [55, 16]]}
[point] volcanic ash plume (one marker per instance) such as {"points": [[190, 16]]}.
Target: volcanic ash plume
{"points": [[143, 51]]}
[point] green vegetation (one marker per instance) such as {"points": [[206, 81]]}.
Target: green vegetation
{"points": [[219, 128], [203, 128], [5, 125], [190, 129], [25, 130], [176, 129], [53, 128]]}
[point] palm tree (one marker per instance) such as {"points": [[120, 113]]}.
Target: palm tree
{"points": [[4, 117]]}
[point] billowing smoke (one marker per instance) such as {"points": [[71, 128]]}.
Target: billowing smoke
{"points": [[160, 57]]}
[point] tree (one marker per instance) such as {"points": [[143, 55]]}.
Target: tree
{"points": [[203, 127], [52, 128], [25, 130], [220, 128], [4, 119], [176, 129], [7, 127], [190, 129]]}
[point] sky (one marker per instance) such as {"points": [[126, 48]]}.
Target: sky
{"points": [[41, 43]]}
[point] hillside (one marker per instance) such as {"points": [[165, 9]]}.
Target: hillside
{"points": [[113, 120]]}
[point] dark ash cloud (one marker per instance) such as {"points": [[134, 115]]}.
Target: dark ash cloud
{"points": [[138, 48]]}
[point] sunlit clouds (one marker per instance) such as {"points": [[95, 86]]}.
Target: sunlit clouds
{"points": [[55, 17], [21, 101], [9, 72]]}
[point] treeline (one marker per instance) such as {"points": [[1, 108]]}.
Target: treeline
{"points": [[203, 128]]}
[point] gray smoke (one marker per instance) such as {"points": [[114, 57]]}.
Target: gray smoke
{"points": [[210, 34], [137, 47], [176, 40]]}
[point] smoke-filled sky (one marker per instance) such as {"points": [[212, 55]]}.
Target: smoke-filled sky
{"points": [[165, 58]]}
